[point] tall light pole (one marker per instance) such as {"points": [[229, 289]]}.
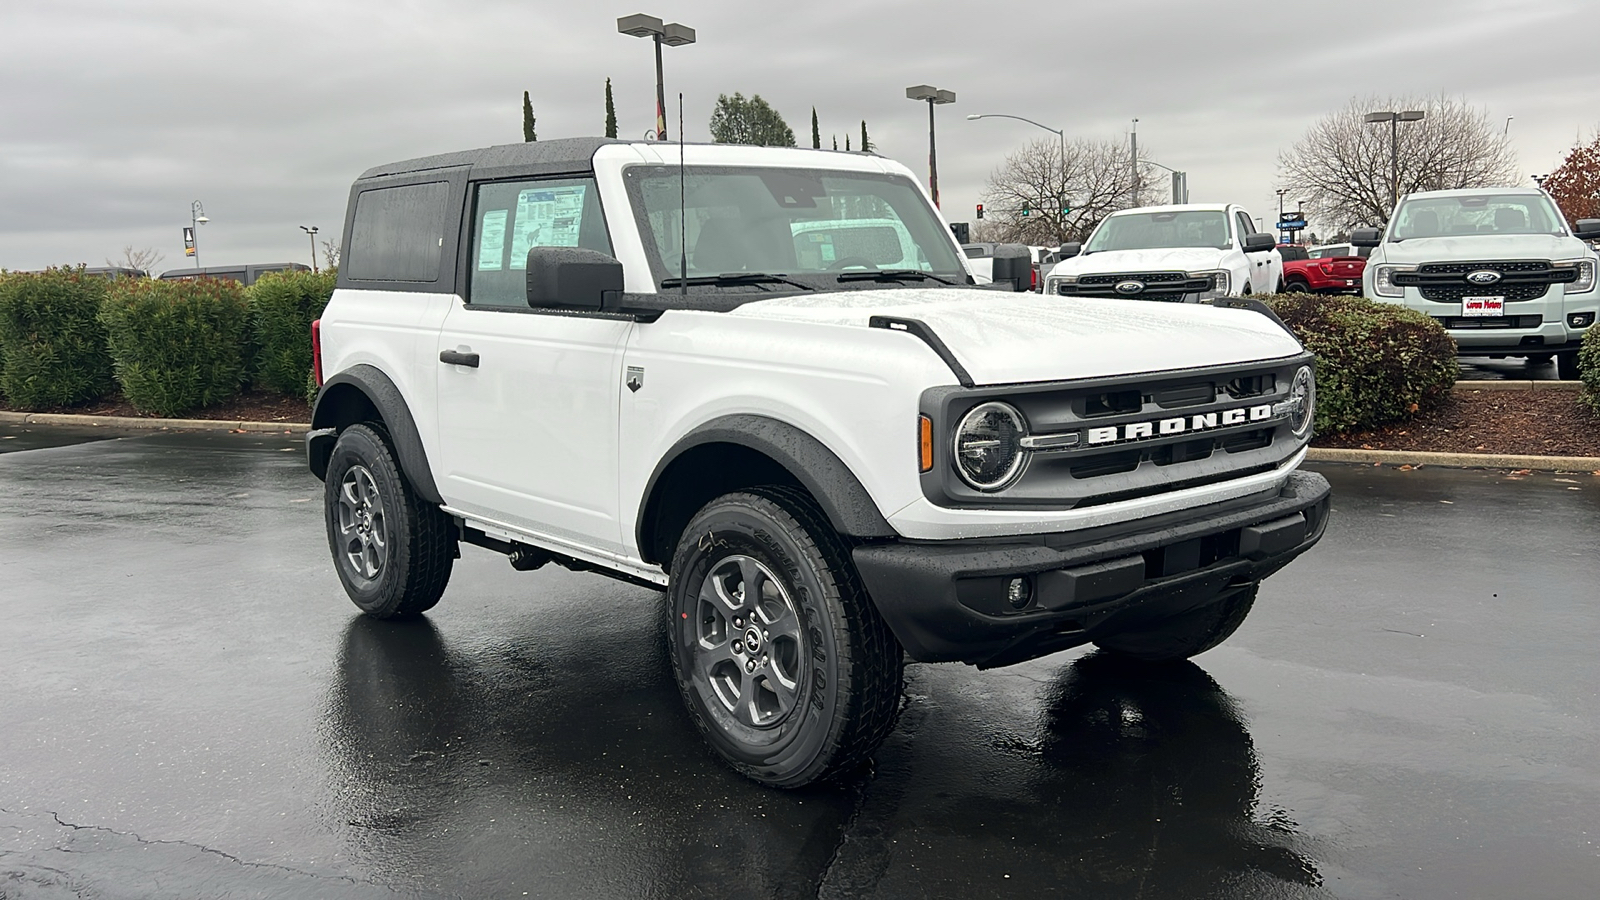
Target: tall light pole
{"points": [[1180, 182], [197, 217], [1061, 200], [1394, 119], [1133, 160], [670, 33], [1281, 232], [312, 234], [934, 96]]}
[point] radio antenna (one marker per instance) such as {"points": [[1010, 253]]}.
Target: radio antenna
{"points": [[683, 223]]}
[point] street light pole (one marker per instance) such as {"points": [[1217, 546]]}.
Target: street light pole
{"points": [[197, 217], [1133, 160], [1394, 119], [1061, 201], [934, 96], [1180, 182], [669, 33], [312, 234]]}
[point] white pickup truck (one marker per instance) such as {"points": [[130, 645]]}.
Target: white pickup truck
{"points": [[1191, 253], [1498, 267], [762, 381]]}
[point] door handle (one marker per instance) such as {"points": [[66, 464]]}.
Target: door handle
{"points": [[457, 358]]}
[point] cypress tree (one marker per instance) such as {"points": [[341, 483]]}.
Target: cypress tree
{"points": [[865, 144], [611, 112], [847, 143], [836, 142], [528, 134], [816, 135]]}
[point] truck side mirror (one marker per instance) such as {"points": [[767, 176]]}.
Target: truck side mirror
{"points": [[1258, 242], [1069, 250], [1014, 263], [1366, 237], [1587, 230], [572, 277]]}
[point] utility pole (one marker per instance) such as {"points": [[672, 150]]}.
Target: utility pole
{"points": [[1133, 160]]}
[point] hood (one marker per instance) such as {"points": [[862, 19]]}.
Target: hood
{"points": [[1185, 259], [1006, 338], [1483, 246]]}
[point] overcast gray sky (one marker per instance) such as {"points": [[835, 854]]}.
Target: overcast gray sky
{"points": [[116, 115]]}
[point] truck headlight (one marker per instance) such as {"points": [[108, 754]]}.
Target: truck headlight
{"points": [[1221, 283], [1052, 285], [988, 446], [1383, 281], [1585, 280]]}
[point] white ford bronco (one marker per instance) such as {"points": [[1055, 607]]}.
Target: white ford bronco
{"points": [[826, 445], [1193, 253], [1497, 267]]}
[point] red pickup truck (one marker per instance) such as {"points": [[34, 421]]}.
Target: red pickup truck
{"points": [[1328, 269]]}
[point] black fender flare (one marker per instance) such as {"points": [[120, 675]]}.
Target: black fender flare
{"points": [[355, 395], [843, 499]]}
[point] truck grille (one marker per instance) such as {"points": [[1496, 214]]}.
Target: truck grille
{"points": [[1490, 321], [1519, 280], [1156, 286], [1094, 457]]}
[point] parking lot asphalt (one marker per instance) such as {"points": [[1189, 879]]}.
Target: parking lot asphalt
{"points": [[1485, 369], [191, 708]]}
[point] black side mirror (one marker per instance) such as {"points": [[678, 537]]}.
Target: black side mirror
{"points": [[1258, 242], [1587, 230], [570, 276], [1069, 250], [1366, 237], [1014, 263]]}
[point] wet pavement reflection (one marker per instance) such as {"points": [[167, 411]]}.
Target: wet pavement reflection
{"points": [[193, 708]]}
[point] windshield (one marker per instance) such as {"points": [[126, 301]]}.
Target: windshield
{"points": [[1161, 230], [1425, 217], [787, 222]]}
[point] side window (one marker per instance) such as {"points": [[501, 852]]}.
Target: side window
{"points": [[511, 217], [398, 233], [1245, 226]]}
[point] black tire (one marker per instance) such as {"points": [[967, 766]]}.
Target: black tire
{"points": [[393, 551], [1567, 366], [1280, 286], [1186, 635], [813, 691], [1540, 359], [1296, 287]]}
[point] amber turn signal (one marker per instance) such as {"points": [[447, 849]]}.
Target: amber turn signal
{"points": [[925, 442]]}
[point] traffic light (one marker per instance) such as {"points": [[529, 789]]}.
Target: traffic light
{"points": [[980, 210], [1024, 207], [1065, 209]]}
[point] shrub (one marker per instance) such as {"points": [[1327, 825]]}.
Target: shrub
{"points": [[1376, 362], [1589, 368], [52, 345], [282, 307], [177, 345]]}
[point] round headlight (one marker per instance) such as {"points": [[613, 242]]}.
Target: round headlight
{"points": [[988, 446], [1302, 401]]}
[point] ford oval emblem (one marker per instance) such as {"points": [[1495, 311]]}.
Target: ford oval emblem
{"points": [[1483, 276], [1130, 287]]}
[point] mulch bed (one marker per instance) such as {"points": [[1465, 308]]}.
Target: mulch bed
{"points": [[1543, 423], [250, 406]]}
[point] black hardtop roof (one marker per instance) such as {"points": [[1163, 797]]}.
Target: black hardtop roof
{"points": [[567, 154]]}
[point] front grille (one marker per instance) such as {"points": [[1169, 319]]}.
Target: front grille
{"points": [[1466, 322], [1157, 285], [1519, 280]]}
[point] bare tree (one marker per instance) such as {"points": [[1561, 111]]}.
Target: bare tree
{"points": [[330, 255], [1066, 190], [1575, 184], [1343, 164], [144, 260]]}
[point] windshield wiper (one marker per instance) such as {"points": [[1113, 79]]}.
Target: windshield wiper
{"points": [[734, 278], [892, 275]]}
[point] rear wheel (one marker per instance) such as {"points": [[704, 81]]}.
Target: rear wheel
{"points": [[1190, 634], [784, 665], [1567, 366], [393, 551]]}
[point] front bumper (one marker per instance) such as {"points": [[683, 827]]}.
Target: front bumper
{"points": [[1541, 325], [947, 600]]}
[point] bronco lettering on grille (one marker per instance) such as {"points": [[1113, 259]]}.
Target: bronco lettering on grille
{"points": [[1134, 431]]}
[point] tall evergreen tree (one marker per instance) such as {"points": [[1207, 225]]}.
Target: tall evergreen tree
{"points": [[836, 142], [816, 134], [528, 134], [611, 112], [736, 120], [865, 144], [847, 143]]}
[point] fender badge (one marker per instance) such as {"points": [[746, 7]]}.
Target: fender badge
{"points": [[635, 379]]}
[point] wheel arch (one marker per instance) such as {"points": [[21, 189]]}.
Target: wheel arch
{"points": [[731, 453], [364, 393]]}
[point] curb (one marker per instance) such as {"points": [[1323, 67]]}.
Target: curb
{"points": [[1560, 386], [1456, 460], [133, 422]]}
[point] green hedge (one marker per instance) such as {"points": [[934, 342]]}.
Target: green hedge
{"points": [[282, 308], [52, 344], [177, 345], [1376, 362], [1589, 368]]}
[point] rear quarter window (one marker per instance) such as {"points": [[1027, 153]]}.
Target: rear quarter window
{"points": [[398, 233]]}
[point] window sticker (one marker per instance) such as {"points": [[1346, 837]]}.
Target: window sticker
{"points": [[492, 241], [546, 217]]}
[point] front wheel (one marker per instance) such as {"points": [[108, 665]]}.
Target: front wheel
{"points": [[781, 659], [392, 549], [1186, 635]]}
